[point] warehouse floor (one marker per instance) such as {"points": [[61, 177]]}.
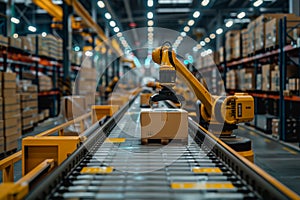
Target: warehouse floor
{"points": [[277, 159]]}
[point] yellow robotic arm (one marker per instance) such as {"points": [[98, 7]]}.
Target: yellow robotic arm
{"points": [[229, 109]]}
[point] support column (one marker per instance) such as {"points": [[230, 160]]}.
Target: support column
{"points": [[67, 40], [294, 7], [10, 11]]}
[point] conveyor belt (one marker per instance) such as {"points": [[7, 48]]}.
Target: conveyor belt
{"points": [[150, 171]]}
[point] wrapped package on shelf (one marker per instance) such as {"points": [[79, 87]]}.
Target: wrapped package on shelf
{"points": [[3, 41], [230, 43], [266, 76], [245, 41], [27, 44], [15, 42], [251, 37]]}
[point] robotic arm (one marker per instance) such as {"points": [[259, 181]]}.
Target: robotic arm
{"points": [[229, 109]]}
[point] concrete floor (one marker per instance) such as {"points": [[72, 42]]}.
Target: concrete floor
{"points": [[280, 161]]}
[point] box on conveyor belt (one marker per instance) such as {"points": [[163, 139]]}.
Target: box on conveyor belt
{"points": [[272, 30], [74, 106], [164, 124], [245, 40], [144, 99], [266, 76], [9, 80], [3, 41], [2, 144], [251, 37], [100, 111]]}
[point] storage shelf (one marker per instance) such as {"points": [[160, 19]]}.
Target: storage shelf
{"points": [[48, 93], [260, 56]]}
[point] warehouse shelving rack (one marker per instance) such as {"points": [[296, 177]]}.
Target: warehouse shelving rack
{"points": [[282, 54]]}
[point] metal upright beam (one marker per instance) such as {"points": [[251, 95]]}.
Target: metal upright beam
{"points": [[10, 27], [67, 38]]}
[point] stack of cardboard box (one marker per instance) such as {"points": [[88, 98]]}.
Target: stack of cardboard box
{"points": [[245, 41], [230, 44], [15, 42], [3, 41], [11, 111], [29, 104]]}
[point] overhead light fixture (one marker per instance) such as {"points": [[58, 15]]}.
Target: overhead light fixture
{"points": [[202, 43], [15, 20], [191, 22], [150, 34], [229, 23], [101, 4], [119, 34], [207, 40], [173, 10], [186, 29], [44, 34], [212, 36], [76, 48], [219, 31], [150, 3], [15, 35], [183, 34], [150, 23], [175, 1], [32, 28], [150, 15], [107, 15], [209, 51], [180, 38], [116, 29], [257, 3], [199, 46], [150, 29], [205, 2], [241, 15], [196, 14], [112, 23]]}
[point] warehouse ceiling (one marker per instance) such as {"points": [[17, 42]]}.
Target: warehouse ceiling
{"points": [[170, 14]]}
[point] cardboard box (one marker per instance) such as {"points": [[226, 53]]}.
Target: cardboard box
{"points": [[3, 41], [230, 43], [1, 128], [275, 80], [10, 126], [245, 38], [242, 78], [2, 145], [74, 106], [100, 111], [266, 76], [251, 37], [221, 54], [258, 82], [164, 124], [9, 80]]}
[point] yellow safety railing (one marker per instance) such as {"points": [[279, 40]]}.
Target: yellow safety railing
{"points": [[7, 164], [60, 128]]}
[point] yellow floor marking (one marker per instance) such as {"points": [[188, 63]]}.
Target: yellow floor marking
{"points": [[267, 140], [201, 186], [289, 150], [97, 170], [211, 170], [115, 140], [252, 133]]}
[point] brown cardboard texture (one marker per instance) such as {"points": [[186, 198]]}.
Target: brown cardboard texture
{"points": [[164, 124]]}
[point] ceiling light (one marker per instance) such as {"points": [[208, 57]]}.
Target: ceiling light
{"points": [[112, 23], [209, 51], [219, 31], [107, 15], [116, 29], [150, 15], [241, 15], [76, 48], [199, 46], [186, 29], [183, 34], [150, 23], [205, 2], [150, 34], [15, 35], [207, 40], [15, 20], [173, 10], [196, 14], [195, 49], [202, 43], [44, 34], [119, 34], [180, 38], [191, 22], [150, 3], [32, 28], [212, 36], [229, 23], [150, 29], [175, 1], [101, 4], [257, 3], [88, 53]]}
